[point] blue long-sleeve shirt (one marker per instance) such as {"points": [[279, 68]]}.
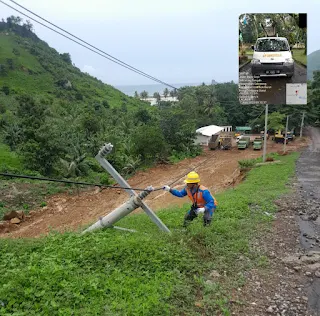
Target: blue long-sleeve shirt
{"points": [[209, 206]]}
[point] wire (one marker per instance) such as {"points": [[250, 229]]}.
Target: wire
{"points": [[108, 56], [117, 61], [182, 176], [73, 182], [82, 40]]}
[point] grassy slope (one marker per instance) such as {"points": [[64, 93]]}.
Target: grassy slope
{"points": [[300, 56], [147, 273], [8, 157], [37, 67], [41, 81]]}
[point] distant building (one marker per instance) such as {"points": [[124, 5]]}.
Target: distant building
{"points": [[153, 101], [227, 128]]}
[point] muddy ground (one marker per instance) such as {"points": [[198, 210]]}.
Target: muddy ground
{"points": [[218, 170]]}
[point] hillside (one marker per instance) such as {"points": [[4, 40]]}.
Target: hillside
{"points": [[31, 66], [54, 118], [313, 63]]}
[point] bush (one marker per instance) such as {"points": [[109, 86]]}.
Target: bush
{"points": [[247, 163]]}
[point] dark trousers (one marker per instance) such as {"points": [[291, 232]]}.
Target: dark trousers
{"points": [[191, 215]]}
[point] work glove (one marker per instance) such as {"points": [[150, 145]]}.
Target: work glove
{"points": [[200, 210], [166, 188]]}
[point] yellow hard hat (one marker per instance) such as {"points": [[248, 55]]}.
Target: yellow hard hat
{"points": [[192, 177]]}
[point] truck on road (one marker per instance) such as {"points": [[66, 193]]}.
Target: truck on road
{"points": [[244, 142], [213, 142], [257, 143]]}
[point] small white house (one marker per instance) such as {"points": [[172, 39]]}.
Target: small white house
{"points": [[205, 133]]}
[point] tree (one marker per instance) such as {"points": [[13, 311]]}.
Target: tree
{"points": [[66, 57], [136, 95], [276, 121], [10, 63], [14, 20], [74, 163], [143, 116], [28, 26], [165, 92], [157, 96], [149, 143], [105, 103], [12, 135], [144, 95]]}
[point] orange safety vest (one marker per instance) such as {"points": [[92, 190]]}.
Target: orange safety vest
{"points": [[197, 197]]}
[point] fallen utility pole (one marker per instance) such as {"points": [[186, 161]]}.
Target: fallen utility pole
{"points": [[134, 202], [120, 212]]}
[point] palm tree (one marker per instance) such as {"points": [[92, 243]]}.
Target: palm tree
{"points": [[144, 95], [74, 164], [157, 96], [165, 92]]}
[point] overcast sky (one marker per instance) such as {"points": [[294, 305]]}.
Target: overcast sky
{"points": [[177, 41]]}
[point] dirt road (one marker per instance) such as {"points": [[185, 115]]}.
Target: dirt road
{"points": [[69, 212], [308, 172], [291, 283]]}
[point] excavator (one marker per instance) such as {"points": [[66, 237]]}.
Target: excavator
{"points": [[279, 137]]}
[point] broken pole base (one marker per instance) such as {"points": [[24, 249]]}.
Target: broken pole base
{"points": [[113, 217]]}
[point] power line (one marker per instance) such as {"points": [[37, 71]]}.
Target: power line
{"points": [[151, 77], [106, 55], [115, 60], [71, 182]]}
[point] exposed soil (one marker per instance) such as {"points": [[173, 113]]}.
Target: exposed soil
{"points": [[70, 212]]}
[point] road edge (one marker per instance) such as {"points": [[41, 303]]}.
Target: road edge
{"points": [[245, 64], [300, 63]]}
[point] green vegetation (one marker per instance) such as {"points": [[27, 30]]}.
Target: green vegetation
{"points": [[285, 25], [248, 163], [313, 63], [8, 158], [145, 273], [55, 118], [300, 56]]}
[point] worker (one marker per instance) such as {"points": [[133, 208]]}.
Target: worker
{"points": [[201, 198]]}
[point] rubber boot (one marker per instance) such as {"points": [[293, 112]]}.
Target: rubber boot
{"points": [[206, 222]]}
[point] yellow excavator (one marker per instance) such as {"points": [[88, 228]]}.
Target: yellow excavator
{"points": [[279, 136]]}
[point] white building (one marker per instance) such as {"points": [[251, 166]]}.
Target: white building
{"points": [[153, 101], [205, 133]]}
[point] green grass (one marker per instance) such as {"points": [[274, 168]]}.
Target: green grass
{"points": [[300, 56], [248, 163], [146, 273], [8, 158]]}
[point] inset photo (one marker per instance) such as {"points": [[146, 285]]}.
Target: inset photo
{"points": [[272, 57]]}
